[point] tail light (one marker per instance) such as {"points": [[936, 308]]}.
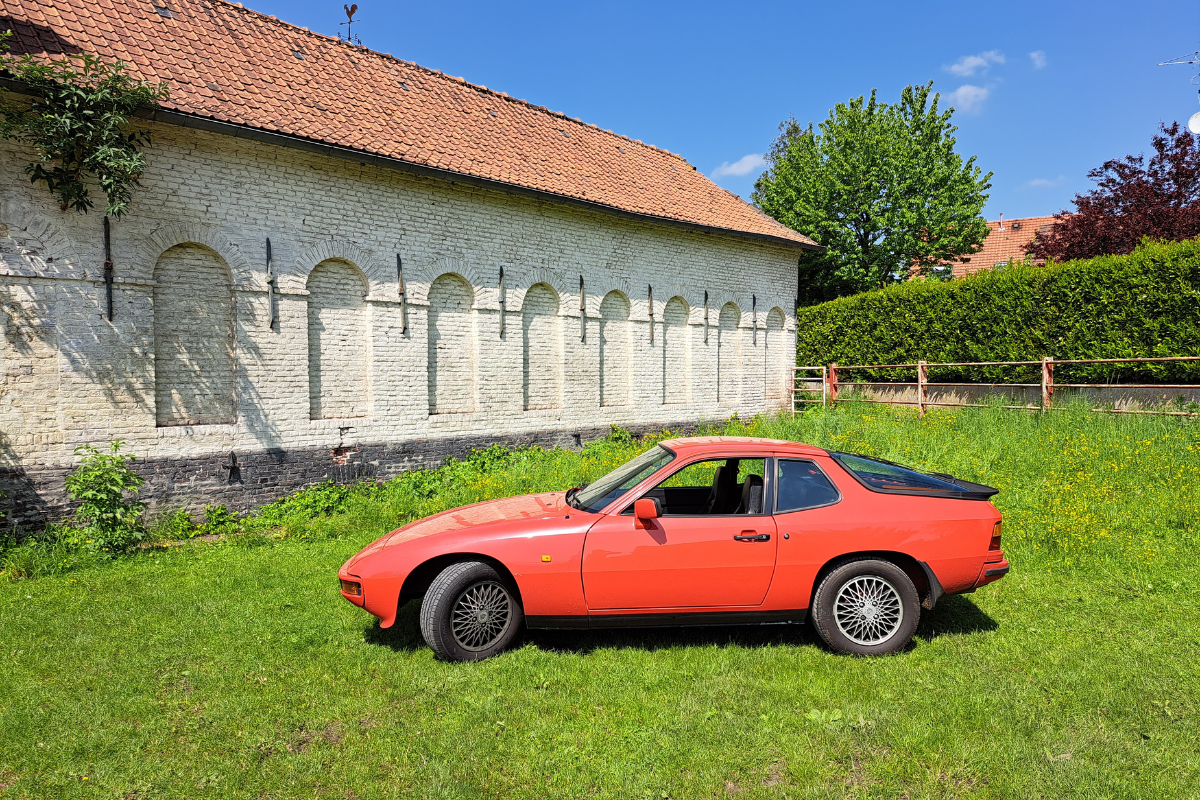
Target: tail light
{"points": [[352, 587], [995, 545]]}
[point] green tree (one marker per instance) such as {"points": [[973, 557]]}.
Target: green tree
{"points": [[78, 122], [881, 187]]}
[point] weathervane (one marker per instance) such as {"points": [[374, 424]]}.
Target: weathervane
{"points": [[1190, 58], [350, 20]]}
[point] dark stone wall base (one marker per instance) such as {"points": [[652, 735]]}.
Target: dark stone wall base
{"points": [[38, 495]]}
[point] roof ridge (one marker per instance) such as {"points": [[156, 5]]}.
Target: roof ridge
{"points": [[439, 74]]}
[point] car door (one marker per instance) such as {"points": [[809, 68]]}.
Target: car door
{"points": [[680, 560]]}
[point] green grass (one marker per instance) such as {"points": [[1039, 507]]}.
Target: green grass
{"points": [[235, 670]]}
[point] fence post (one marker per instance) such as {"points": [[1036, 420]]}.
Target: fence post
{"points": [[832, 382], [1047, 382], [794, 376], [922, 386], [824, 387]]}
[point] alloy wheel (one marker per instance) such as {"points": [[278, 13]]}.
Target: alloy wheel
{"points": [[868, 610], [481, 615]]}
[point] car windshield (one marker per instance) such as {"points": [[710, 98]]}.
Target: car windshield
{"points": [[600, 493], [886, 476]]}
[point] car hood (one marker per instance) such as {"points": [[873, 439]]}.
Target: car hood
{"points": [[508, 509]]}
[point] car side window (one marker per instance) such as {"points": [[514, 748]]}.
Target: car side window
{"points": [[714, 487], [802, 485]]}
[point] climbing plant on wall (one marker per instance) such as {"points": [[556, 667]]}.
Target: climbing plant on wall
{"points": [[75, 113]]}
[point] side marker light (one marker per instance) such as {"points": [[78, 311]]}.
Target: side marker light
{"points": [[545, 558]]}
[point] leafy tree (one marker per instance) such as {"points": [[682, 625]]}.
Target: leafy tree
{"points": [[78, 122], [881, 187], [1159, 199]]}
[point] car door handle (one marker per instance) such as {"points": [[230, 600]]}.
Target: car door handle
{"points": [[751, 536]]}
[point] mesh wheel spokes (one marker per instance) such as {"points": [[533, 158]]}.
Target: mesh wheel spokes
{"points": [[868, 610], [481, 614]]}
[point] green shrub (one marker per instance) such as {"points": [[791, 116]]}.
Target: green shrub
{"points": [[1145, 304], [218, 521], [109, 521], [171, 526]]}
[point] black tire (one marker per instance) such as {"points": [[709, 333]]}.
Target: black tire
{"points": [[868, 607], [470, 613]]}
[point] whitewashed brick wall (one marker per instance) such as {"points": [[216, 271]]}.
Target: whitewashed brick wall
{"points": [[614, 350], [339, 353], [676, 352], [190, 367], [194, 354], [451, 347], [541, 333]]}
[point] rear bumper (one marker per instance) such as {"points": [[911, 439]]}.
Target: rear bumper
{"points": [[993, 571]]}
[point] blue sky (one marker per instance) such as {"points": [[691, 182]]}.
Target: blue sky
{"points": [[1044, 91]]}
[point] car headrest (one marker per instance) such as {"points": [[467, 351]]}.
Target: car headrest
{"points": [[752, 495]]}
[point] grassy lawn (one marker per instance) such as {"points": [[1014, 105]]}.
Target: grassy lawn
{"points": [[235, 669]]}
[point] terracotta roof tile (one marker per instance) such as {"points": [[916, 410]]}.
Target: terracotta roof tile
{"points": [[1004, 243], [349, 96]]}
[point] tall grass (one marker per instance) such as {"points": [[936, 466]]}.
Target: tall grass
{"points": [[1075, 486]]}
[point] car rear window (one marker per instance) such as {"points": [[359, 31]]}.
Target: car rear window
{"points": [[885, 476]]}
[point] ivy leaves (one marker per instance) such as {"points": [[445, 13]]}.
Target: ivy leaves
{"points": [[77, 122]]}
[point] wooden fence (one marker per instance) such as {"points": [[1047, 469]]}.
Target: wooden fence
{"points": [[833, 389]]}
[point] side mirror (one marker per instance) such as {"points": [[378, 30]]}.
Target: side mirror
{"points": [[644, 510]]}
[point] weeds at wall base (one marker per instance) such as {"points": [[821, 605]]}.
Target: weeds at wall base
{"points": [[1077, 489]]}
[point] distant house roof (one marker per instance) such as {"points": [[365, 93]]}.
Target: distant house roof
{"points": [[1003, 243], [236, 70]]}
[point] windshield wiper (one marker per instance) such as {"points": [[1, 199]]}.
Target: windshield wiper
{"points": [[571, 493]]}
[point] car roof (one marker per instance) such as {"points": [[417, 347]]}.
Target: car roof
{"points": [[693, 445]]}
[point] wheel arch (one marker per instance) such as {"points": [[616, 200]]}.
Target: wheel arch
{"points": [[929, 589], [418, 581]]}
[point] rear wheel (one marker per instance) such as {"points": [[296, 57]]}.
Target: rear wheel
{"points": [[866, 607], [470, 613]]}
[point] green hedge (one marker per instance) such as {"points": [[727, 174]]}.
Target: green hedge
{"points": [[1143, 304]]}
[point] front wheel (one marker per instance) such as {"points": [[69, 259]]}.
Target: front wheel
{"points": [[866, 607], [469, 613]]}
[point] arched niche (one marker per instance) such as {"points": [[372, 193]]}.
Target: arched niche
{"points": [[194, 337], [339, 351], [777, 373], [614, 349], [541, 335], [451, 354], [729, 355], [676, 352]]}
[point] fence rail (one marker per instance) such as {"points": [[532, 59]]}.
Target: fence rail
{"points": [[831, 383]]}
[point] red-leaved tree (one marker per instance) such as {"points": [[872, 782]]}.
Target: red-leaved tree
{"points": [[1134, 199]]}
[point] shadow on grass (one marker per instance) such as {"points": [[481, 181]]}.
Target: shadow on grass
{"points": [[954, 616]]}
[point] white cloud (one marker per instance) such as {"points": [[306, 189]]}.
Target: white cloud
{"points": [[743, 166], [1037, 183], [1038, 57], [968, 99], [969, 65]]}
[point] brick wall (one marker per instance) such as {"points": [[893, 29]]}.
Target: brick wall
{"points": [[194, 378], [191, 345], [729, 355], [676, 352], [338, 345], [614, 350]]}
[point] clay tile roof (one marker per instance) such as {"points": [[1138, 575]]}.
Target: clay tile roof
{"points": [[231, 65], [1004, 244]]}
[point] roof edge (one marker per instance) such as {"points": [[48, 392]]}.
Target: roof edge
{"points": [[388, 162]]}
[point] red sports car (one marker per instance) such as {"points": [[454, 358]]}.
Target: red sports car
{"points": [[701, 531]]}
